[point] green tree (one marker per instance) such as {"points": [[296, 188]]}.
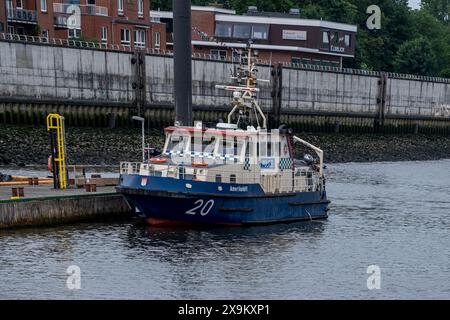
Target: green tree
{"points": [[415, 56], [429, 27], [438, 8], [163, 5]]}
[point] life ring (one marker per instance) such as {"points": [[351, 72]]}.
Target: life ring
{"points": [[50, 163], [200, 164], [158, 160]]}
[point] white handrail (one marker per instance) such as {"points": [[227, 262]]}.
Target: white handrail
{"points": [[316, 149], [306, 179]]}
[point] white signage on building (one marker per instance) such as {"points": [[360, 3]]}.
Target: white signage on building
{"points": [[337, 49], [294, 35]]}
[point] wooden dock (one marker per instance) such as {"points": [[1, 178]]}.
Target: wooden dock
{"points": [[42, 205]]}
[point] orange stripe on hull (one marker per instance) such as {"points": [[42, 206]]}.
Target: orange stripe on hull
{"points": [[176, 223]]}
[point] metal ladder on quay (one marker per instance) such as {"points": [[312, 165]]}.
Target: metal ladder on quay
{"points": [[55, 125]]}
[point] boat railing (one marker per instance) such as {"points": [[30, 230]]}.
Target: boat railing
{"points": [[130, 167], [297, 180]]}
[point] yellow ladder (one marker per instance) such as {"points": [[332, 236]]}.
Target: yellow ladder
{"points": [[56, 121]]}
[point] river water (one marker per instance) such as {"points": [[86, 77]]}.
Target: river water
{"points": [[392, 215]]}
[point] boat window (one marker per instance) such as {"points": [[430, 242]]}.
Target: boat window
{"points": [[247, 147], [269, 149], [262, 146], [268, 146], [232, 178], [232, 147], [157, 173], [182, 172], [208, 144], [177, 143], [218, 178]]}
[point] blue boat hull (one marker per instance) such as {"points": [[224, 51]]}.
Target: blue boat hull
{"points": [[165, 201]]}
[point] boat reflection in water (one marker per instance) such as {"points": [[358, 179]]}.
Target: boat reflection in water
{"points": [[183, 244]]}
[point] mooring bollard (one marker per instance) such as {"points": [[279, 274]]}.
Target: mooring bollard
{"points": [[36, 181], [93, 187], [14, 192], [21, 192], [30, 181], [87, 187]]}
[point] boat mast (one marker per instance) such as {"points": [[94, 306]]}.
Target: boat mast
{"points": [[244, 97]]}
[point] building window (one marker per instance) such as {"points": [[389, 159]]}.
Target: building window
{"points": [[19, 4], [1, 26], [104, 34], [125, 37], [9, 9], [139, 38], [91, 2], [219, 54], [45, 35], [43, 5], [348, 40], [295, 60], [120, 7], [20, 31], [157, 40], [11, 29], [74, 33], [223, 30], [260, 32], [336, 38], [326, 37], [241, 31], [140, 8]]}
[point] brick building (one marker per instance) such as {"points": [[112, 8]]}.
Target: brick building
{"points": [[124, 22], [277, 36]]}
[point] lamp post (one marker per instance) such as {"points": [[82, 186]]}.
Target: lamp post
{"points": [[142, 120]]}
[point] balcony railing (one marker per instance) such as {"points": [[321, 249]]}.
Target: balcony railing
{"points": [[22, 15], [88, 9]]}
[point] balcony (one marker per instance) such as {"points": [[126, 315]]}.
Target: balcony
{"points": [[22, 15], [88, 9]]}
